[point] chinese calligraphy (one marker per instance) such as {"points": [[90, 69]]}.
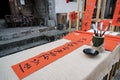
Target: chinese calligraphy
{"points": [[88, 14], [31, 65], [116, 17]]}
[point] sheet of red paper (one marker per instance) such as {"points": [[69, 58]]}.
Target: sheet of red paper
{"points": [[79, 34], [90, 4], [116, 16], [106, 23], [33, 64], [111, 42]]}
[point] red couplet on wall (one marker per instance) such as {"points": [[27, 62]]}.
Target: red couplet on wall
{"points": [[90, 4], [116, 17]]}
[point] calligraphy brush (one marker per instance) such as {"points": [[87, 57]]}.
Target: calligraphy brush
{"points": [[105, 31], [101, 26], [96, 28]]}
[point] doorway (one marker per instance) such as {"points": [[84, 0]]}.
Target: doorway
{"points": [[4, 8]]}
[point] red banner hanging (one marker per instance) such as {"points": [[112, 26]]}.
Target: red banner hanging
{"points": [[116, 17], [90, 4]]}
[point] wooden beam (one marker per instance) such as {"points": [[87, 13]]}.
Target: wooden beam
{"points": [[103, 9], [83, 8], [78, 14], [70, 23], [94, 20], [98, 10]]}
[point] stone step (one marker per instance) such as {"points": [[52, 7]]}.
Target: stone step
{"points": [[20, 48], [11, 46], [12, 33], [55, 34], [2, 23], [31, 38]]}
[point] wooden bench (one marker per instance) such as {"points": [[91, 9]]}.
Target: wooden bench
{"points": [[20, 20]]}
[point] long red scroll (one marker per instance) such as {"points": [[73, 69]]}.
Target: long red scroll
{"points": [[116, 17], [90, 4], [33, 64]]}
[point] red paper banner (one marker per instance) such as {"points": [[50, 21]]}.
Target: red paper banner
{"points": [[116, 17], [74, 36], [106, 23], [86, 24], [31, 65], [115, 40], [111, 42]]}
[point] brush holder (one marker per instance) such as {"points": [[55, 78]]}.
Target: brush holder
{"points": [[97, 43]]}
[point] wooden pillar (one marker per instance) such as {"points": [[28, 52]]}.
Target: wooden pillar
{"points": [[112, 28], [78, 14], [98, 10], [103, 9], [16, 6], [70, 25], [83, 8]]}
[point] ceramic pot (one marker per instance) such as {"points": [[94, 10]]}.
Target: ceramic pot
{"points": [[97, 43]]}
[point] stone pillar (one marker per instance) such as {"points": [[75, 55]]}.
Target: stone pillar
{"points": [[51, 9], [12, 7]]}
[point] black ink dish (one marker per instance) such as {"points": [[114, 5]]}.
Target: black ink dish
{"points": [[90, 51]]}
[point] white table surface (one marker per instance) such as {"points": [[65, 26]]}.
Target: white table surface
{"points": [[73, 66]]}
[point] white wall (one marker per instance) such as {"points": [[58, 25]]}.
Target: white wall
{"points": [[62, 7]]}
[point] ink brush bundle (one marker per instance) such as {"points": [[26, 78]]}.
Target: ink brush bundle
{"points": [[98, 30]]}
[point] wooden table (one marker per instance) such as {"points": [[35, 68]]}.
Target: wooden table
{"points": [[74, 66]]}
